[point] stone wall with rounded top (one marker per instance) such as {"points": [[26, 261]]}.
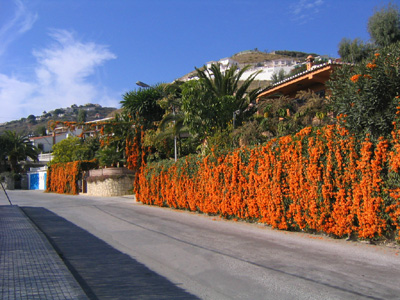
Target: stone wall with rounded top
{"points": [[110, 182]]}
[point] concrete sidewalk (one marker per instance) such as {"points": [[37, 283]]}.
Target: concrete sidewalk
{"points": [[29, 266]]}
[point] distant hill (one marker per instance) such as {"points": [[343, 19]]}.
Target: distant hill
{"points": [[33, 125]]}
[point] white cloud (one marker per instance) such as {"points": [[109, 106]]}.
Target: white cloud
{"points": [[20, 22], [12, 91], [304, 10], [61, 78]]}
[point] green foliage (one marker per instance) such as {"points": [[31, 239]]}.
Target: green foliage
{"points": [[296, 54], [5, 145], [142, 105], [221, 142], [384, 29], [298, 70], [367, 94], [249, 134], [31, 119], [384, 26], [172, 125], [286, 115], [118, 130], [41, 130], [209, 103], [16, 147], [279, 76], [82, 116], [74, 149], [108, 156], [161, 144], [354, 51]]}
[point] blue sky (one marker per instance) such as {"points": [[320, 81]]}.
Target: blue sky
{"points": [[55, 53]]}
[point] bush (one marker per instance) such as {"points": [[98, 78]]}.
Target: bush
{"points": [[366, 95]]}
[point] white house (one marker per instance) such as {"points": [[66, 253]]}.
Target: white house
{"points": [[267, 68], [45, 143]]}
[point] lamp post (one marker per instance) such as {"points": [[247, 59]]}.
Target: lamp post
{"points": [[142, 84], [145, 85], [235, 113]]}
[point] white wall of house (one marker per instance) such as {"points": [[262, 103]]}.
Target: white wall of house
{"points": [[266, 73], [267, 68], [48, 140]]}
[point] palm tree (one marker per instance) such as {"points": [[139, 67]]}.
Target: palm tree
{"points": [[19, 148], [172, 125], [227, 83], [217, 98], [142, 105]]}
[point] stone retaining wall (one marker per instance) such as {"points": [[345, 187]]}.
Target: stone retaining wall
{"points": [[110, 182], [111, 187]]}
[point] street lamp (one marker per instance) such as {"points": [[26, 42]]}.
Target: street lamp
{"points": [[145, 85], [235, 113], [142, 84]]}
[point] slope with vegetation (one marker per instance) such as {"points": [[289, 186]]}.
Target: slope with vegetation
{"points": [[37, 125]]}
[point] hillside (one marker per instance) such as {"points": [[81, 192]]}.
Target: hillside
{"points": [[33, 125], [254, 57]]}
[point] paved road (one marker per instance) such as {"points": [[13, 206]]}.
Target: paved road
{"points": [[210, 258]]}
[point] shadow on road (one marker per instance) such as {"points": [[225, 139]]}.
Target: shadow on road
{"points": [[102, 271]]}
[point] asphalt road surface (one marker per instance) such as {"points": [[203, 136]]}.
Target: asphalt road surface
{"points": [[212, 258]]}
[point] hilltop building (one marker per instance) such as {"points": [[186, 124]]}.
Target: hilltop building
{"points": [[267, 68]]}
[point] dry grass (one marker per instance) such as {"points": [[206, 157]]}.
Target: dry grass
{"points": [[254, 57]]}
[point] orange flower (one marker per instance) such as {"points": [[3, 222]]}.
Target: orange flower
{"points": [[371, 66], [355, 78]]}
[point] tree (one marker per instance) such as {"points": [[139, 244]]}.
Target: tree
{"points": [[31, 119], [82, 116], [41, 130], [58, 111], [18, 148], [142, 105], [366, 95], [74, 149], [5, 145], [354, 51], [278, 76], [116, 134], [172, 125], [209, 103], [384, 26]]}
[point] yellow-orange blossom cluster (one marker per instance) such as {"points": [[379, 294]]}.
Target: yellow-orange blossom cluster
{"points": [[315, 180]]}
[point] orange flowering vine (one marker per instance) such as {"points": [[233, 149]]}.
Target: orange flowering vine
{"points": [[315, 181], [63, 178]]}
